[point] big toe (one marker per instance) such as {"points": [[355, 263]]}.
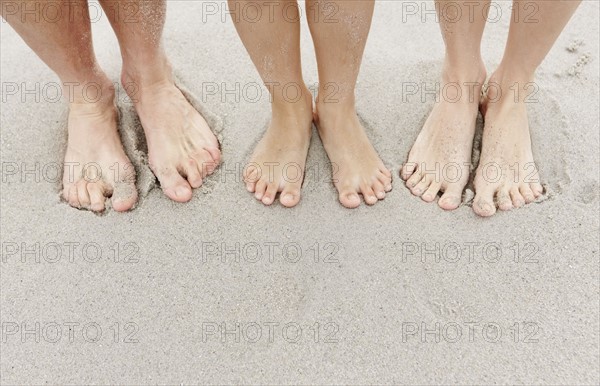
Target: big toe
{"points": [[174, 185], [290, 195], [124, 197], [349, 198], [451, 198]]}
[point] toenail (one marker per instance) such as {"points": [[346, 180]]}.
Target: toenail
{"points": [[449, 200], [181, 191], [352, 197]]}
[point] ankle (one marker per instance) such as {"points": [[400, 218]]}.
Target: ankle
{"points": [[140, 73], [86, 120], [462, 83], [510, 84], [333, 105], [464, 71], [516, 72], [286, 103], [90, 95], [509, 75]]}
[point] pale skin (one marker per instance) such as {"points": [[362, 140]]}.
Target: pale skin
{"points": [[506, 176], [182, 149], [339, 31]]}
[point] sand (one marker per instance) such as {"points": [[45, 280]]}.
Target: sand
{"points": [[225, 290]]}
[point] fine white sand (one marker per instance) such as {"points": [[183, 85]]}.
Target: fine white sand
{"points": [[385, 313]]}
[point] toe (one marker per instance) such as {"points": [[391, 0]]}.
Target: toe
{"points": [[368, 194], [124, 196], [215, 153], [386, 181], [483, 204], [451, 198], [407, 170], [206, 163], [527, 194], [97, 198], [73, 196], [537, 189], [174, 185], [190, 170], [261, 187], [431, 193], [82, 194], [251, 176], [516, 197], [65, 192], [504, 200], [385, 171], [349, 198], [421, 187], [379, 190], [414, 179], [290, 195], [270, 193]]}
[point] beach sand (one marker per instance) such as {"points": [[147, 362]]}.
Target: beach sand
{"points": [[225, 290]]}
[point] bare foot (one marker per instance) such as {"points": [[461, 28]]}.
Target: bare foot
{"points": [[95, 165], [359, 170], [182, 149], [278, 162], [440, 159], [507, 176]]}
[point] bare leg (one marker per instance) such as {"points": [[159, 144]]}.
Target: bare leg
{"points": [[96, 166], [277, 164], [182, 150], [339, 30], [440, 157], [506, 176]]}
